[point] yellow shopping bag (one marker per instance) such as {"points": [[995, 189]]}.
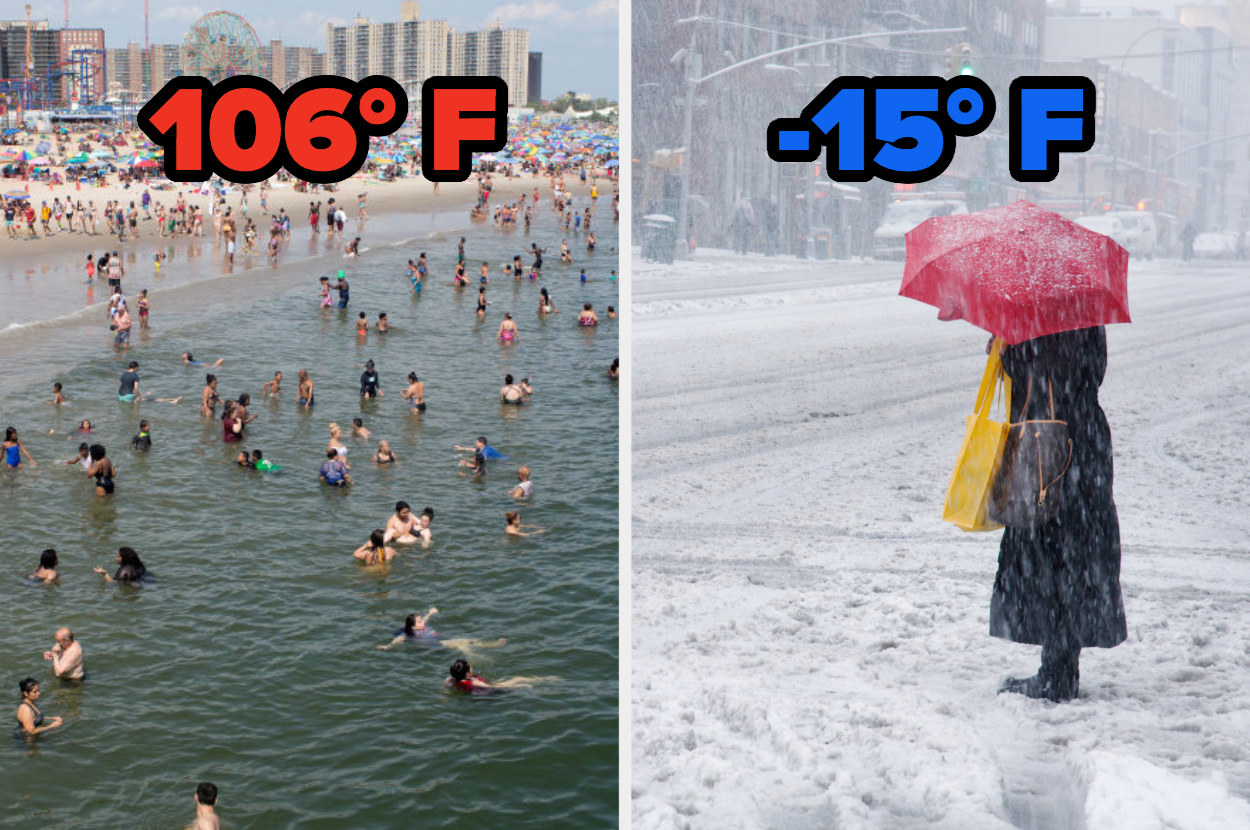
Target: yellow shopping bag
{"points": [[981, 452]]}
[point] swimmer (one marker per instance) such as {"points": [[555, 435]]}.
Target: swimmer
{"points": [[384, 455], [273, 388], [508, 332], [209, 397], [515, 528], [481, 304], [83, 459], [305, 390], [415, 625], [590, 242], [142, 442], [483, 272], [352, 248], [612, 276], [13, 449], [129, 568], [344, 291], [334, 472], [101, 469], [29, 718], [375, 551], [360, 431], [128, 386], [369, 382], [545, 304], [462, 678], [384, 325], [414, 393], [336, 442], [403, 528], [478, 462], [511, 393], [422, 528], [46, 572], [58, 395], [524, 487], [244, 460], [611, 313], [205, 814], [324, 295], [264, 465], [614, 371], [362, 325], [587, 317], [145, 307], [565, 256], [583, 276], [66, 655], [241, 405]]}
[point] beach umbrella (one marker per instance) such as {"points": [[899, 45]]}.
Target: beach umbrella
{"points": [[1017, 271], [16, 197], [102, 154], [81, 158], [147, 163], [40, 161]]}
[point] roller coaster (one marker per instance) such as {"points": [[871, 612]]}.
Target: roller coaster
{"points": [[85, 72]]}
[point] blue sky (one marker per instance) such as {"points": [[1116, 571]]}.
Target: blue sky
{"points": [[578, 38]]}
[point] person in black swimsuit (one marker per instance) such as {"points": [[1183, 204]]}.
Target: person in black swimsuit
{"points": [[481, 304], [129, 568], [30, 719], [369, 382], [101, 470]]}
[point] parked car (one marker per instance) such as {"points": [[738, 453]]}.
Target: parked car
{"points": [[1136, 231], [902, 216], [1215, 245]]}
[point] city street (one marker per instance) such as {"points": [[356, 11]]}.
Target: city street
{"points": [[810, 640]]}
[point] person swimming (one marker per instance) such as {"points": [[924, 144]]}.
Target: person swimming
{"points": [[189, 360]]}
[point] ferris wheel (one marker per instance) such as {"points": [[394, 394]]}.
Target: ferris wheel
{"points": [[219, 45]]}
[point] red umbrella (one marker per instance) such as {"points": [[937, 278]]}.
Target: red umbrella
{"points": [[1017, 271], [147, 163]]}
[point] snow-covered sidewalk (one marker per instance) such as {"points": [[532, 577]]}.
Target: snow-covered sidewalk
{"points": [[810, 645]]}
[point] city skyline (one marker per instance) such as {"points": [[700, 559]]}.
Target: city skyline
{"points": [[578, 38]]}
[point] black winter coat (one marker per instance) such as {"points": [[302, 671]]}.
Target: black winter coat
{"points": [[1058, 583]]}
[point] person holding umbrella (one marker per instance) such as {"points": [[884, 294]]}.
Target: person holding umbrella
{"points": [[1045, 286]]}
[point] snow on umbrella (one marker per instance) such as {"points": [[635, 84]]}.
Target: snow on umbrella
{"points": [[1017, 271]]}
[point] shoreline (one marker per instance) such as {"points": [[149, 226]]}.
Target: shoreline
{"points": [[397, 217]]}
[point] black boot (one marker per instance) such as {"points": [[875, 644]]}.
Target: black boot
{"points": [[1057, 680]]}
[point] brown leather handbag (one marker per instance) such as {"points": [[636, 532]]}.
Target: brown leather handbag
{"points": [[1028, 490]]}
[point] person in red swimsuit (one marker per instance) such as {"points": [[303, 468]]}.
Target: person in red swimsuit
{"points": [[462, 678]]}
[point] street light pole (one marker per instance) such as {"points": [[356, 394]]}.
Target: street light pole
{"points": [[694, 66]]}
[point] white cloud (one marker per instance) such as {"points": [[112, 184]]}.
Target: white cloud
{"points": [[184, 14], [553, 13]]}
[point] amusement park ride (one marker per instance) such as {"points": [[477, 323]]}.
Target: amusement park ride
{"points": [[219, 45]]}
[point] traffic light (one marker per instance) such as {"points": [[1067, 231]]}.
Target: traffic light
{"points": [[964, 59]]}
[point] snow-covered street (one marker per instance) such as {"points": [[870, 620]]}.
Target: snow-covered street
{"points": [[810, 645]]}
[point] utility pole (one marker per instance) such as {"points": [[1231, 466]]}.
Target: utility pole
{"points": [[147, 55], [27, 68]]}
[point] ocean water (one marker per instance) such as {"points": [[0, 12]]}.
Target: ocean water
{"points": [[252, 658]]}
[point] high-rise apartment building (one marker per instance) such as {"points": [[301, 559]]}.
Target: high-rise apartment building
{"points": [[411, 50]]}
